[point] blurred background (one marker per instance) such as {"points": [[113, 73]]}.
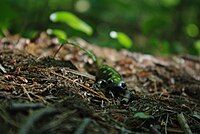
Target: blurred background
{"points": [[159, 27]]}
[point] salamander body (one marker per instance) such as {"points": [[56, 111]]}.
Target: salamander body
{"points": [[110, 78]]}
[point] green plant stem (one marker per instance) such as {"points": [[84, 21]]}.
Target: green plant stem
{"points": [[57, 51]]}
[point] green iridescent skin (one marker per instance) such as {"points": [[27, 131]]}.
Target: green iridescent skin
{"points": [[111, 77], [109, 74]]}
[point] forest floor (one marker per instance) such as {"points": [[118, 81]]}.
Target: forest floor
{"points": [[42, 94]]}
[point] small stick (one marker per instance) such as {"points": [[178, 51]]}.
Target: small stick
{"points": [[57, 51], [3, 69], [92, 77], [183, 123], [191, 58], [166, 122], [39, 97], [174, 131], [26, 92]]}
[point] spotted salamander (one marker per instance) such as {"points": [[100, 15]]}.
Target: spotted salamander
{"points": [[109, 78]]}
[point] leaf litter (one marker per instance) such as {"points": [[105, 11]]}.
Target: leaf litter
{"points": [[57, 95]]}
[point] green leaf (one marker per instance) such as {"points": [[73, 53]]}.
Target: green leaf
{"points": [[196, 115], [197, 46], [58, 33], [122, 38], [61, 35], [142, 115], [192, 30], [62, 38], [89, 53], [71, 20]]}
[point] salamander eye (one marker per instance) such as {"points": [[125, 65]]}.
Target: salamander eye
{"points": [[122, 85]]}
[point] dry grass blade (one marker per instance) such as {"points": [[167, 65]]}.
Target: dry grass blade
{"points": [[2, 69], [183, 123], [166, 122], [40, 98], [92, 77], [26, 92]]}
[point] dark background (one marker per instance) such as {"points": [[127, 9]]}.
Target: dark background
{"points": [[159, 27]]}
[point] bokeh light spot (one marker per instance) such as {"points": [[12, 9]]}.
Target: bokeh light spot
{"points": [[113, 34], [82, 6], [192, 30], [197, 46]]}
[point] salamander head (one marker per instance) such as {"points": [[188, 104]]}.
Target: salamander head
{"points": [[121, 86]]}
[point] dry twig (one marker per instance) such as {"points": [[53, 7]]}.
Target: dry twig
{"points": [[26, 92]]}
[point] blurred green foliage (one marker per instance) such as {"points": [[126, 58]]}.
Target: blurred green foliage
{"points": [[71, 20], [122, 38], [155, 26], [60, 34]]}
